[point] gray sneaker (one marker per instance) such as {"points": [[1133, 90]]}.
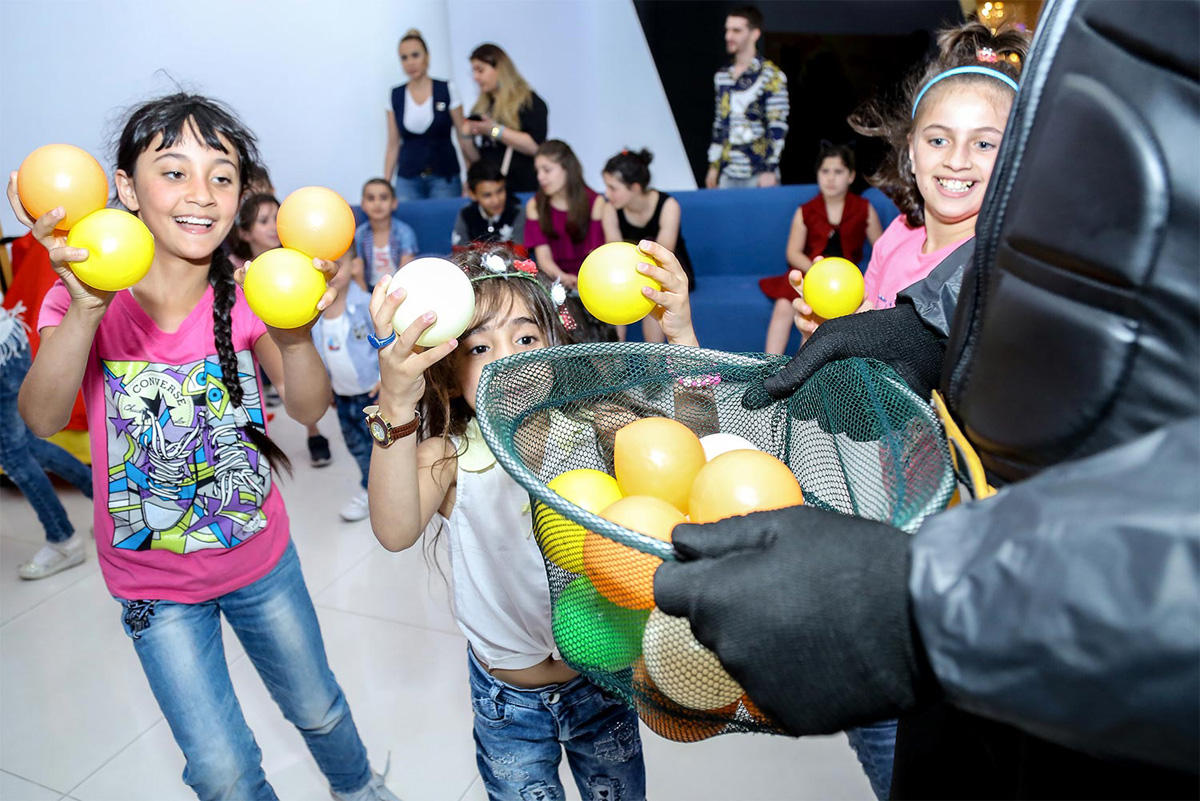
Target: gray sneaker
{"points": [[54, 557], [374, 790]]}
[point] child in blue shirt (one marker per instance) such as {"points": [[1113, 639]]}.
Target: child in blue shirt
{"points": [[340, 335], [384, 243]]}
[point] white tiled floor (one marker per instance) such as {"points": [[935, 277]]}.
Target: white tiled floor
{"points": [[77, 720]]}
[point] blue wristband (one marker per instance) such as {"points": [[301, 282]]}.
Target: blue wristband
{"points": [[380, 344]]}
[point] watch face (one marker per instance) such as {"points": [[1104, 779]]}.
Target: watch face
{"points": [[378, 431]]}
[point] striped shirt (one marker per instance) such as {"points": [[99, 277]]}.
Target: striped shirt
{"points": [[750, 122]]}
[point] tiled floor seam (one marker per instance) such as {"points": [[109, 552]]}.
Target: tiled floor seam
{"points": [[32, 781]]}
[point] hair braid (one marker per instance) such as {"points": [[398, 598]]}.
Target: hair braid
{"points": [[220, 275]]}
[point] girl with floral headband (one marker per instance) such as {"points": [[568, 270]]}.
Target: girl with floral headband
{"points": [[432, 472]]}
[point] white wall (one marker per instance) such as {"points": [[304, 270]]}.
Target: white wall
{"points": [[312, 78]]}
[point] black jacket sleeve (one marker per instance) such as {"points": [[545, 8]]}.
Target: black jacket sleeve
{"points": [[1069, 604]]}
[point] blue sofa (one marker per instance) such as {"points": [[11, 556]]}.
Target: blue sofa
{"points": [[734, 236]]}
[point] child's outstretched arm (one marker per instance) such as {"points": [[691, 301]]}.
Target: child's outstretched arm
{"points": [[674, 310], [409, 481], [292, 362], [49, 390]]}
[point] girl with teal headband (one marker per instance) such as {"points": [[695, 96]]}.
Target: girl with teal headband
{"points": [[944, 136]]}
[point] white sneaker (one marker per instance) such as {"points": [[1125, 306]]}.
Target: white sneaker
{"points": [[53, 558], [357, 508], [375, 790]]}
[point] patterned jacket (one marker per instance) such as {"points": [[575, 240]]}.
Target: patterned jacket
{"points": [[751, 120]]}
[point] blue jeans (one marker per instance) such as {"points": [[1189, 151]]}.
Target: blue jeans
{"points": [[875, 746], [354, 429], [26, 458], [425, 186], [183, 658], [520, 734]]}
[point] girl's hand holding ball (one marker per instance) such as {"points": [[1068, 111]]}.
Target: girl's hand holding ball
{"points": [[402, 363]]}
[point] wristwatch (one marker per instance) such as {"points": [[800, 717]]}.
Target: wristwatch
{"points": [[383, 432]]}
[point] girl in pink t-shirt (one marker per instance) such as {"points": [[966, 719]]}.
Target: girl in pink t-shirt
{"points": [[944, 146], [189, 524]]}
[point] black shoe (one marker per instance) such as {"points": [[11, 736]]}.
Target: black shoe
{"points": [[318, 451]]}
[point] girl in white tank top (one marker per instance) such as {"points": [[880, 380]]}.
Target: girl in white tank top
{"points": [[444, 480]]}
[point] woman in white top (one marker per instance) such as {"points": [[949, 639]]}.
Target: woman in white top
{"points": [[425, 113]]}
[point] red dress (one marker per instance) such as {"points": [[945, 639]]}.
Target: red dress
{"points": [[844, 239]]}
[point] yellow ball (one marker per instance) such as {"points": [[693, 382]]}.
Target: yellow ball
{"points": [[611, 287], [316, 221], [283, 287], [561, 540], [833, 287], [120, 249]]}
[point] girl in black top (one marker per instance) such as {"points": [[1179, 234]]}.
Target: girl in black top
{"points": [[636, 212], [508, 121], [424, 115]]}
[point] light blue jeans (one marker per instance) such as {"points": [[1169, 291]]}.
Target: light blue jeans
{"points": [[520, 735], [426, 186], [183, 657], [26, 458], [875, 746]]}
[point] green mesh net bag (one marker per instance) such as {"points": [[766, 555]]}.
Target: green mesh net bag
{"points": [[855, 437]]}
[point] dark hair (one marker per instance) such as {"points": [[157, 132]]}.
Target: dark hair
{"points": [[751, 14], [414, 35], [382, 182], [444, 411], [631, 167], [210, 122], [828, 150], [579, 214], [258, 175], [483, 170], [247, 214], [892, 119]]}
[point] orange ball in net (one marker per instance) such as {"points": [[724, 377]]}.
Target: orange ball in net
{"points": [[317, 222], [622, 574], [668, 719], [740, 482], [657, 456]]}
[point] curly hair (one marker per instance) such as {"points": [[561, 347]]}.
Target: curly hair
{"points": [[893, 119]]}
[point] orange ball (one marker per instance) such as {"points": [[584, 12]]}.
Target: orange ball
{"points": [[668, 719], [622, 574], [657, 456], [317, 222], [62, 175], [741, 482]]}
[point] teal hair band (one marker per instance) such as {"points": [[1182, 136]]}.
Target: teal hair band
{"points": [[968, 70]]}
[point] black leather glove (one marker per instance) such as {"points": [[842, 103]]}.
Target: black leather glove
{"points": [[897, 337], [807, 609]]}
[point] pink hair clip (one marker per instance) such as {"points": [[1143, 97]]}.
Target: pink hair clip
{"points": [[986, 54], [699, 381], [565, 317], [526, 266]]}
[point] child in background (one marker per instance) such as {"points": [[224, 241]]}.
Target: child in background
{"points": [[495, 215], [563, 220], [635, 212], [528, 704], [26, 459], [340, 335], [255, 233], [189, 522], [944, 138], [383, 242], [834, 223]]}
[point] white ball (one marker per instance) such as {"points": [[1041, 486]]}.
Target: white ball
{"points": [[436, 285], [686, 672], [716, 444]]}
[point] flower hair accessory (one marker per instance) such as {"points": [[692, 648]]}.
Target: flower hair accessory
{"points": [[494, 263], [986, 54], [525, 266], [558, 296]]}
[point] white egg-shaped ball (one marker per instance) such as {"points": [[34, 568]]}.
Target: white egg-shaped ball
{"points": [[436, 285], [716, 444], [686, 672]]}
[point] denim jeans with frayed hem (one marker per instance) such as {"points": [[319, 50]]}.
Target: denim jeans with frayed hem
{"points": [[183, 657], [520, 735]]}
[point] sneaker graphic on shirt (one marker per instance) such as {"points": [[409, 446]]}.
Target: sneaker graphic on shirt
{"points": [[182, 474]]}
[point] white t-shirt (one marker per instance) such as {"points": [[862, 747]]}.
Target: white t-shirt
{"points": [[418, 117], [381, 261], [342, 375]]}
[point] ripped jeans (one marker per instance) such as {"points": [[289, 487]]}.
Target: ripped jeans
{"points": [[520, 735]]}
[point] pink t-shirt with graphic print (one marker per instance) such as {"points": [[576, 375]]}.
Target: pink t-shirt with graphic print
{"points": [[185, 509], [897, 262]]}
